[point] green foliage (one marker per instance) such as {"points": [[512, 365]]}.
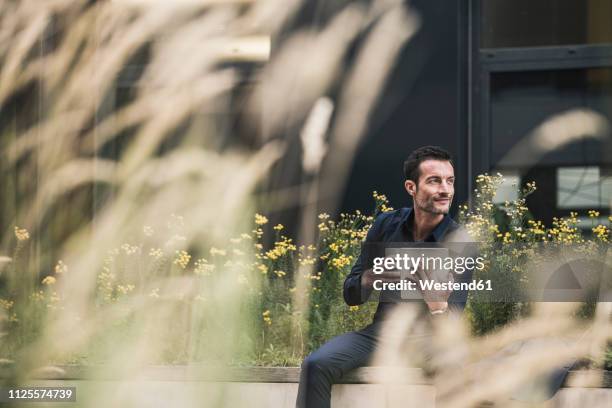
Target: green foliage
{"points": [[275, 332]]}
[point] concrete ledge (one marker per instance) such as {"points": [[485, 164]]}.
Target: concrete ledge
{"points": [[365, 375], [216, 374], [264, 387]]}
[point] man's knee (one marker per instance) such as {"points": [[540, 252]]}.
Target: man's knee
{"points": [[316, 367]]}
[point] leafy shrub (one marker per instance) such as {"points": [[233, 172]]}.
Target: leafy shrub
{"points": [[275, 331]]}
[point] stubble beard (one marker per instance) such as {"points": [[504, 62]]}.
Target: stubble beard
{"points": [[430, 207]]}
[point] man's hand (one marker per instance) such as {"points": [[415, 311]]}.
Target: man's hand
{"points": [[437, 300]]}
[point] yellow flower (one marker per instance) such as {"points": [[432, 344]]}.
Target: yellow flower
{"points": [[341, 261], [53, 300], [260, 219], [314, 277], [280, 249], [202, 267], [21, 234], [129, 249], [156, 253], [38, 296], [182, 259], [60, 267], [593, 213], [266, 317], [353, 308], [125, 289], [601, 231], [6, 304], [214, 251], [262, 268], [280, 274], [278, 227], [49, 280], [309, 260]]}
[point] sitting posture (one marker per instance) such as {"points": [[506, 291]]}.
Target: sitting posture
{"points": [[430, 181]]}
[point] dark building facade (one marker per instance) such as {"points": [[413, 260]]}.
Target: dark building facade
{"points": [[479, 79]]}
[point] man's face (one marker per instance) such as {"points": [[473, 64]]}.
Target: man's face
{"points": [[435, 190]]}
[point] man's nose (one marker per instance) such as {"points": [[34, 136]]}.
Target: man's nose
{"points": [[445, 187]]}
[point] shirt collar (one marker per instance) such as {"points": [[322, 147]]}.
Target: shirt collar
{"points": [[438, 232]]}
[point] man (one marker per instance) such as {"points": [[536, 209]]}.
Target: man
{"points": [[430, 180]]}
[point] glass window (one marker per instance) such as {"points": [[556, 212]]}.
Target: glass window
{"points": [[529, 23], [522, 101], [583, 187]]}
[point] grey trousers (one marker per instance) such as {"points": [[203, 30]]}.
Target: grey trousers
{"points": [[330, 362], [325, 366]]}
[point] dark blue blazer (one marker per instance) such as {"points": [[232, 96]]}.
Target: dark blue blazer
{"points": [[396, 227]]}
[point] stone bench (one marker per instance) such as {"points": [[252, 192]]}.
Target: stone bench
{"points": [[255, 387]]}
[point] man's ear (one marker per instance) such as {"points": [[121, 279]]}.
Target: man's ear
{"points": [[410, 187]]}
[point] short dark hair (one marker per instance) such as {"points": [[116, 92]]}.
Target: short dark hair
{"points": [[411, 165]]}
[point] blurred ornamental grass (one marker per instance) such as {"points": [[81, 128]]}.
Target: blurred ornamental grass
{"points": [[267, 279], [116, 115], [511, 241], [95, 268], [134, 271]]}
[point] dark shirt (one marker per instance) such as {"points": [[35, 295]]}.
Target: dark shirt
{"points": [[396, 227]]}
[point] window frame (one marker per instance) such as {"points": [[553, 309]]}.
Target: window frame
{"points": [[484, 62]]}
